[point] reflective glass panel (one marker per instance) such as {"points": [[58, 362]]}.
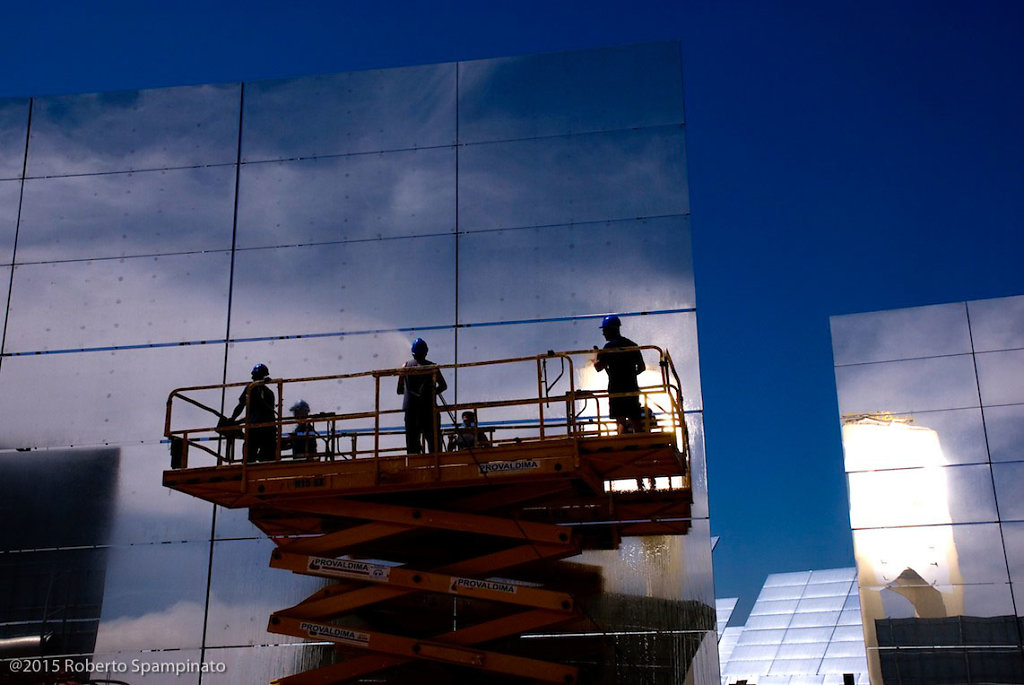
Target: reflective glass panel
{"points": [[936, 602], [930, 555], [13, 126], [814, 619], [5, 283], [1005, 427], [698, 464], [45, 490], [779, 593], [147, 512], [10, 196], [921, 496], [767, 621], [828, 589], [574, 179], [999, 377], [751, 637], [997, 324], [932, 438], [266, 663], [361, 111], [788, 579], [154, 597], [900, 334], [117, 215], [56, 592], [669, 567], [577, 269], [593, 90], [244, 591], [846, 633], [1009, 479], [788, 661], [93, 398], [130, 130], [833, 575], [816, 604], [1013, 539], [907, 386], [99, 303], [346, 287], [170, 667], [360, 197]]}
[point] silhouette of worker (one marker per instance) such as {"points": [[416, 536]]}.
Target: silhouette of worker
{"points": [[303, 436], [257, 401], [623, 367], [418, 388], [469, 435]]}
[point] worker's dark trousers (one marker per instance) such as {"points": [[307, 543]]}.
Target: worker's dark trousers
{"points": [[420, 424]]}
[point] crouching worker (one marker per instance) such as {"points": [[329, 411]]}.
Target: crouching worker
{"points": [[302, 439]]}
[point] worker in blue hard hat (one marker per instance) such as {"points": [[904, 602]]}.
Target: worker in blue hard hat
{"points": [[418, 388], [623, 367], [257, 401]]}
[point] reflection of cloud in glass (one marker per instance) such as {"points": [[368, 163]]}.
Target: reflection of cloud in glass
{"points": [[572, 270], [406, 282], [115, 215], [143, 300], [115, 397], [145, 511], [576, 92], [594, 177], [997, 324], [999, 377], [391, 194], [1005, 430], [147, 129], [13, 126], [9, 192], [900, 334], [365, 111], [909, 386]]}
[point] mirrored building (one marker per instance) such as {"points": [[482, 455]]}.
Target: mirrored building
{"points": [[804, 629], [931, 402], [164, 238]]}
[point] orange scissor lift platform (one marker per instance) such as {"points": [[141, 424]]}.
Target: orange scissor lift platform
{"points": [[440, 563]]}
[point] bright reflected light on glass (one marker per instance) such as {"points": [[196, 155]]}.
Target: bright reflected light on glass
{"points": [[918, 563], [880, 441]]}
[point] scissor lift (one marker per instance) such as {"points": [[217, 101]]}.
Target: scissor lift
{"points": [[442, 562]]}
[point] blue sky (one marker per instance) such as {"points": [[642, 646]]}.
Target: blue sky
{"points": [[843, 157]]}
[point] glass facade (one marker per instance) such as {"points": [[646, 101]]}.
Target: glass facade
{"points": [[804, 629], [931, 421], [157, 239]]}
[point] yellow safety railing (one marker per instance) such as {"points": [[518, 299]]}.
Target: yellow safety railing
{"points": [[518, 398]]}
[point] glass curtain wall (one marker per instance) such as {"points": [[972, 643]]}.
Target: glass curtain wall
{"points": [[931, 401], [157, 239]]}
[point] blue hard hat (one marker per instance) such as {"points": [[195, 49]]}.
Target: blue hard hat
{"points": [[419, 347], [610, 321], [260, 371]]}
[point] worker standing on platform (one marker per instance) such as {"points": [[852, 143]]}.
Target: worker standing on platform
{"points": [[623, 367], [418, 389], [257, 401]]}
